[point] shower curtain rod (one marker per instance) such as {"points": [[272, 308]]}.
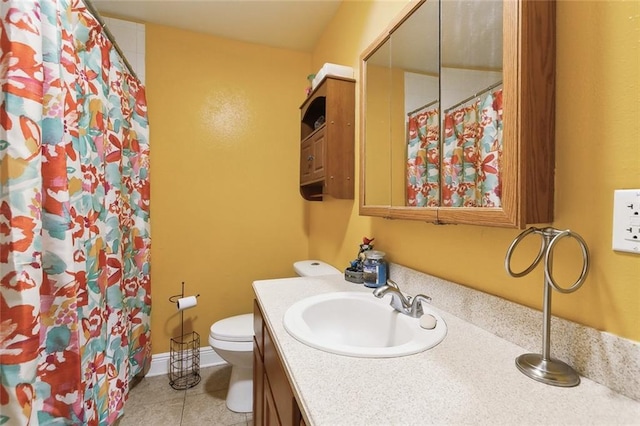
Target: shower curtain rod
{"points": [[488, 89], [422, 107], [110, 36]]}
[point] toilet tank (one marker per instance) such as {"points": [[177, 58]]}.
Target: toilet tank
{"points": [[314, 268]]}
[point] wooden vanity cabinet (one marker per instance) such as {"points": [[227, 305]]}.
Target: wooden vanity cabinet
{"points": [[273, 399], [327, 140]]}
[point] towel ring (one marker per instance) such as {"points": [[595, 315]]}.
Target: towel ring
{"points": [[512, 247], [549, 255]]}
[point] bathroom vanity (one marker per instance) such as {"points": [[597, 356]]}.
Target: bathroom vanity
{"points": [[470, 377]]}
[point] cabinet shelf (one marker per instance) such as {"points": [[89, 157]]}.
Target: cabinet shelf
{"points": [[316, 110], [313, 133]]}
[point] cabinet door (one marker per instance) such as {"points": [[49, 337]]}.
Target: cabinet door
{"points": [[258, 328], [312, 158], [259, 382], [318, 154], [273, 400], [258, 386], [287, 408], [270, 412], [306, 161]]}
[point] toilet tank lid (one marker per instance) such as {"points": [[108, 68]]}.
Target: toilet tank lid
{"points": [[234, 329], [314, 268]]}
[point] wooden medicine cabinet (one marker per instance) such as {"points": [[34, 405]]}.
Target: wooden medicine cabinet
{"points": [[438, 62]]}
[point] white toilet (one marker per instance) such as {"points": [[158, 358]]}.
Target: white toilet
{"points": [[232, 339]]}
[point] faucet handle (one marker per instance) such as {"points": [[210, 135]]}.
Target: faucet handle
{"points": [[392, 283], [416, 305]]}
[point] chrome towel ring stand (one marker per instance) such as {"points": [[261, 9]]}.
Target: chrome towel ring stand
{"points": [[542, 367]]}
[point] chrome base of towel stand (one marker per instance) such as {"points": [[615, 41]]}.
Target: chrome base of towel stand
{"points": [[549, 371]]}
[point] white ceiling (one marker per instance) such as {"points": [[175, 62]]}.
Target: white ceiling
{"points": [[289, 24]]}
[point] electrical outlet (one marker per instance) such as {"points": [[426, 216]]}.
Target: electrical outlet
{"points": [[626, 220]]}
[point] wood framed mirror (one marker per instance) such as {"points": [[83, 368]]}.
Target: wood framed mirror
{"points": [[457, 114]]}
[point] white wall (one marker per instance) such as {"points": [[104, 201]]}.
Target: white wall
{"points": [[130, 37], [419, 89], [459, 84]]}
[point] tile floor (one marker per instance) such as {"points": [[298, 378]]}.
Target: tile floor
{"points": [[153, 402]]}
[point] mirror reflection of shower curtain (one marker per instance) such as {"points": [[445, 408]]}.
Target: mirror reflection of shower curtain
{"points": [[472, 148], [423, 159]]}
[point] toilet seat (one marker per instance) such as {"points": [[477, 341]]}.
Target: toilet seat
{"points": [[238, 328], [226, 345]]}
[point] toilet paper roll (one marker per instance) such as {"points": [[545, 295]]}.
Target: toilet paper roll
{"points": [[186, 302]]}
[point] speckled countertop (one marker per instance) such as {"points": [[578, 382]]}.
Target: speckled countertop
{"points": [[469, 378]]}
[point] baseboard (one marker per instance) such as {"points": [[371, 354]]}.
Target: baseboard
{"points": [[160, 362]]}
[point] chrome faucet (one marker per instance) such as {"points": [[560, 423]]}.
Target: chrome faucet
{"points": [[398, 301], [405, 305]]}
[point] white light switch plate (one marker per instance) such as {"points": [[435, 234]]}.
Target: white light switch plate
{"points": [[626, 220]]}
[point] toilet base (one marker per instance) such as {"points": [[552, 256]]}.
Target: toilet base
{"points": [[240, 393]]}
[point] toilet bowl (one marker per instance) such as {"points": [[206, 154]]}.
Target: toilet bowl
{"points": [[232, 339]]}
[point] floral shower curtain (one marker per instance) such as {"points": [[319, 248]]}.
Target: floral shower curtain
{"points": [[471, 154], [74, 218], [423, 159]]}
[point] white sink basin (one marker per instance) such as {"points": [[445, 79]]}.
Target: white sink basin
{"points": [[361, 325]]}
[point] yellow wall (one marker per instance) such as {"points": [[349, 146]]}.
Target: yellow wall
{"points": [[226, 207], [597, 151]]}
